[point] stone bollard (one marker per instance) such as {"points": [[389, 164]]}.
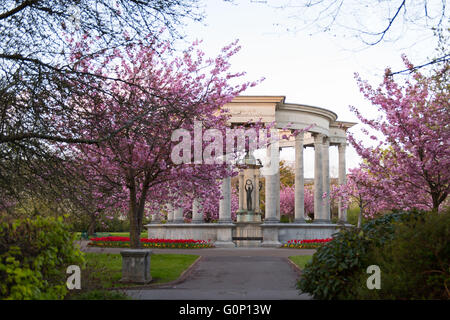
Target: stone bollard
{"points": [[136, 266]]}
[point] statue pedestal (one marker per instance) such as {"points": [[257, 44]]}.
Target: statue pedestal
{"points": [[136, 266], [248, 216], [247, 232]]}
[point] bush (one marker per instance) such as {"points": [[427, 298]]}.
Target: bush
{"points": [[335, 271], [34, 255], [416, 263], [103, 224], [116, 224]]}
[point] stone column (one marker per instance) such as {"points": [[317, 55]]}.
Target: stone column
{"points": [[272, 174], [326, 178], [225, 226], [169, 213], [319, 216], [197, 213], [241, 190], [342, 179], [299, 180], [277, 189], [256, 191], [271, 185], [225, 203], [178, 214]]}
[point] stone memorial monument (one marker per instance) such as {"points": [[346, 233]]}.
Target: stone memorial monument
{"points": [[322, 132]]}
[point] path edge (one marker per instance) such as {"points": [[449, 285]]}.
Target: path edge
{"points": [[184, 275], [294, 267]]}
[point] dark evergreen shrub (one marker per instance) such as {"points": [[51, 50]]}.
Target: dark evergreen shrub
{"points": [[336, 269], [415, 264]]}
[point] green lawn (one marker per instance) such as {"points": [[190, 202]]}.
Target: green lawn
{"points": [[300, 261], [104, 270], [115, 234]]}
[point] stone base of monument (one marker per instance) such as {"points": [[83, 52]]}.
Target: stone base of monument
{"points": [[248, 216], [136, 266], [228, 235], [270, 235], [323, 230], [225, 236], [247, 234]]}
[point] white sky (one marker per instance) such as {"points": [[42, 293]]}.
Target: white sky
{"points": [[316, 70]]}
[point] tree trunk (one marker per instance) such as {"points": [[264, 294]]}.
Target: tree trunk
{"points": [[436, 202], [135, 229], [139, 216], [360, 216], [135, 239], [92, 223], [136, 212]]}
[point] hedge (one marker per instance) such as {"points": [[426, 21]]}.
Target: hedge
{"points": [[338, 268], [34, 256]]}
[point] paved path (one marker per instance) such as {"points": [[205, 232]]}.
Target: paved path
{"points": [[229, 274], [232, 278]]}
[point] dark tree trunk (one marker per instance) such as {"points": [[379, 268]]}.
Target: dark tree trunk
{"points": [[438, 198], [92, 223], [135, 241], [136, 212], [135, 229]]}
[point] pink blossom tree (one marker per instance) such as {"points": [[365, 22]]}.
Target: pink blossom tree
{"points": [[309, 201], [361, 188], [209, 206], [287, 201], [411, 164], [173, 92]]}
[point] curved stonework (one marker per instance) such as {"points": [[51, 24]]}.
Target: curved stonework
{"points": [[300, 117], [323, 131], [268, 109]]}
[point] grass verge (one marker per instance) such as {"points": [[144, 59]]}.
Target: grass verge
{"points": [[104, 270], [300, 261], [144, 234]]}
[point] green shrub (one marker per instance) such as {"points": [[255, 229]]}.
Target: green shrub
{"points": [[415, 264], [335, 271], [116, 224], [34, 256]]}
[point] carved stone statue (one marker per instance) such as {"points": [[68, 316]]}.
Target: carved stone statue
{"points": [[249, 189]]}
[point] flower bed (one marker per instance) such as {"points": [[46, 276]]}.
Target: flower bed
{"points": [[306, 244], [124, 242]]}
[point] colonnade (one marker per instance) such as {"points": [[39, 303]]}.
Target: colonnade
{"points": [[322, 213], [322, 210]]}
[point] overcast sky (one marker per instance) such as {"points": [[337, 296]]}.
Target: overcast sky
{"points": [[316, 69]]}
